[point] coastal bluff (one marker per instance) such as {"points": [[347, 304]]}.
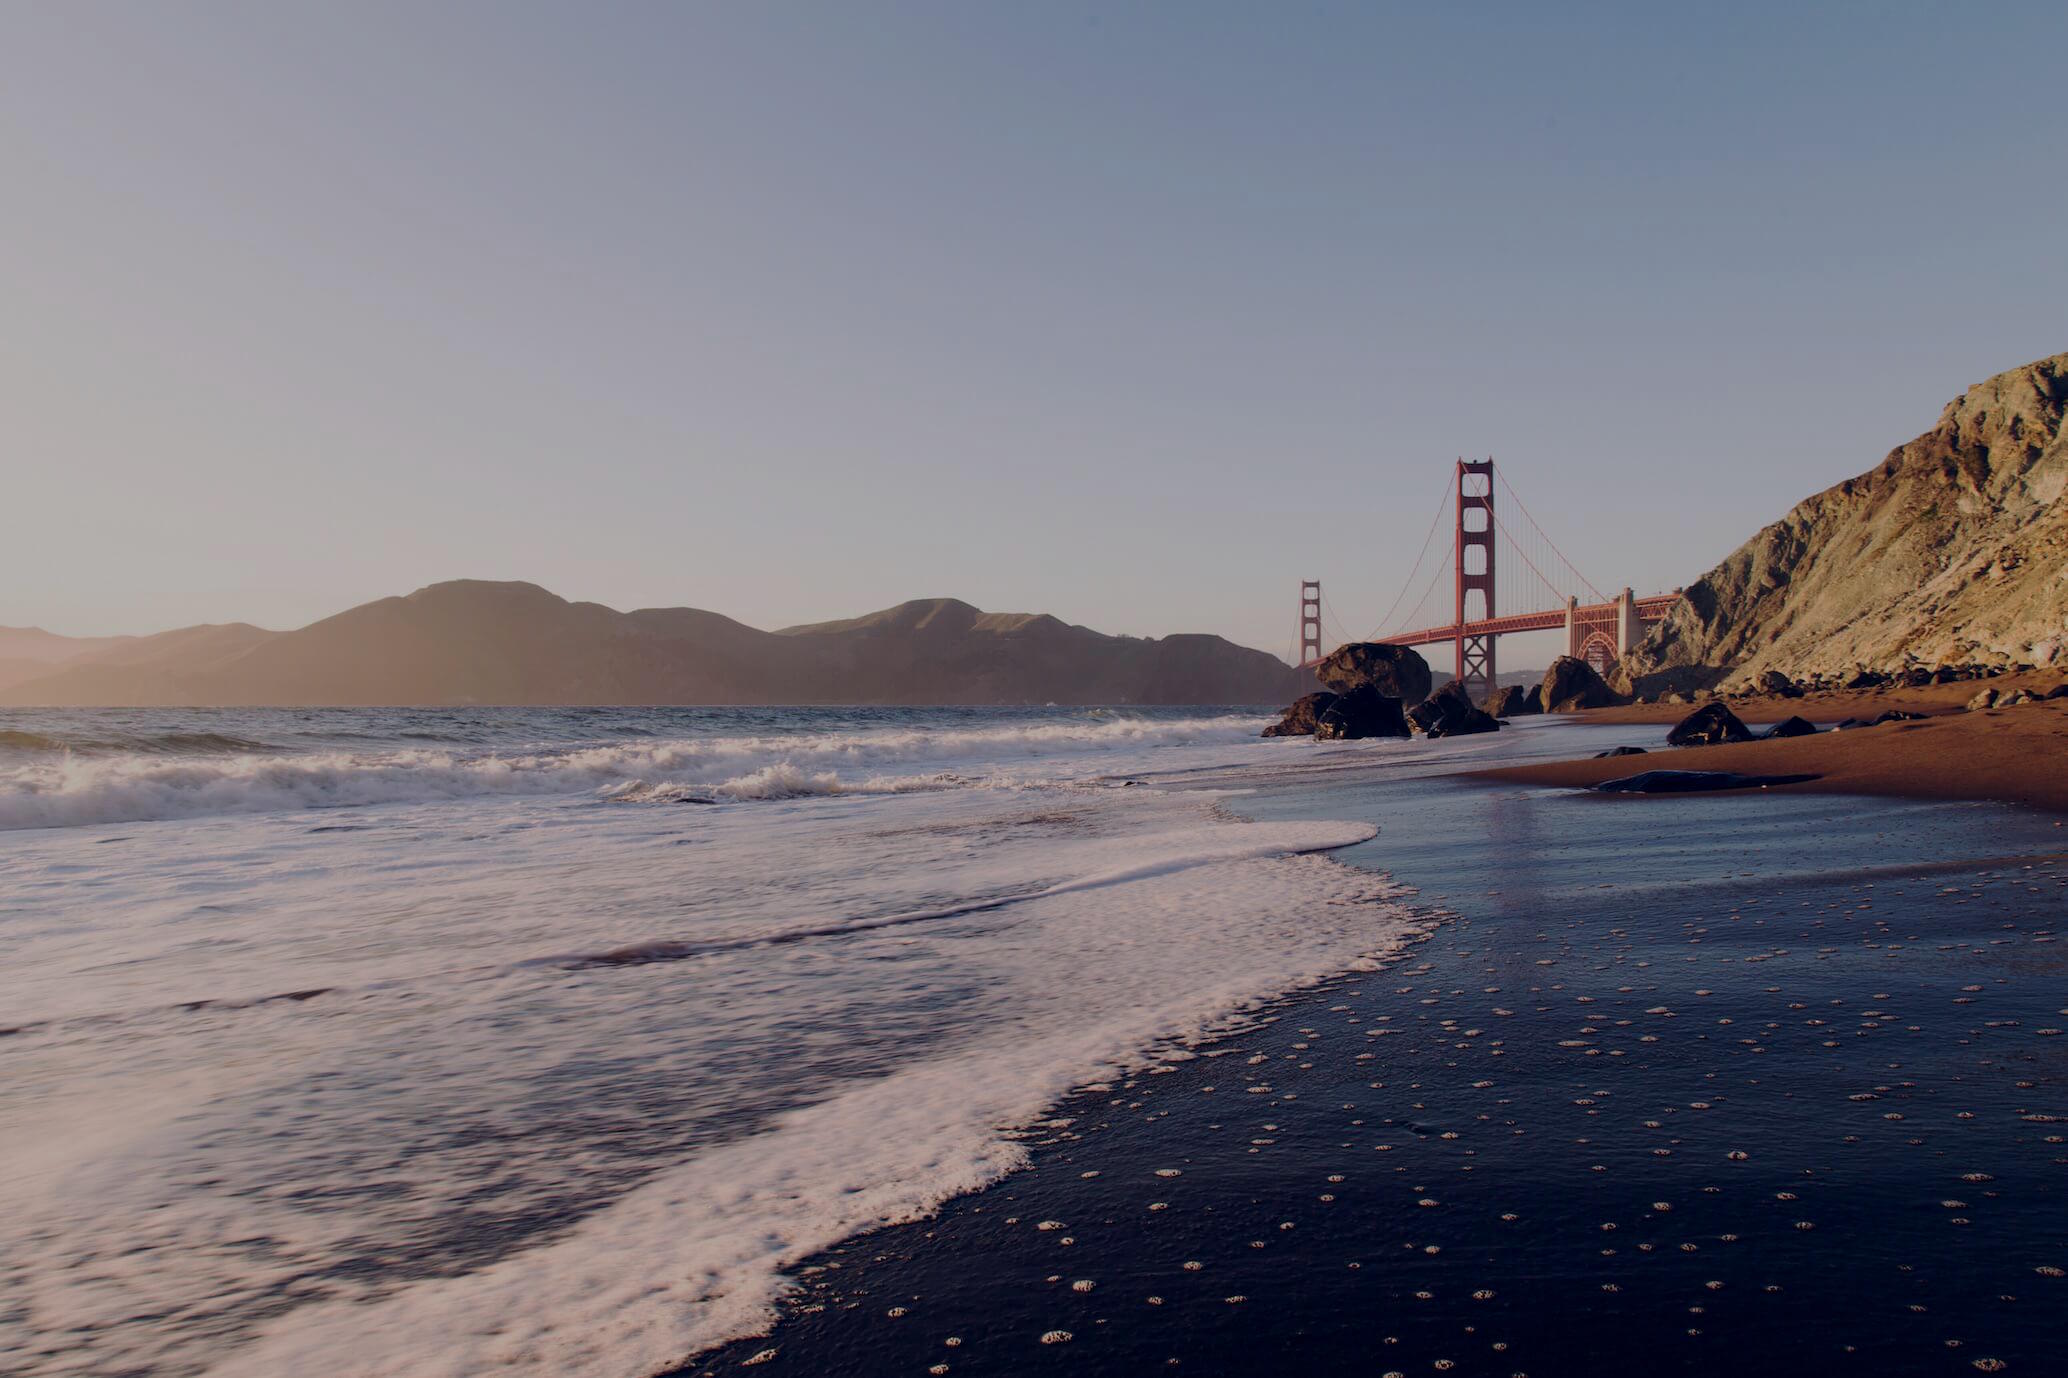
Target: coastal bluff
{"points": [[1950, 550]]}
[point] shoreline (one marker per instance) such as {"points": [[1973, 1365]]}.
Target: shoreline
{"points": [[1834, 705], [1696, 1084], [2006, 755]]}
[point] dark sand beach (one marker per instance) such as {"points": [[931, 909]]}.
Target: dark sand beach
{"points": [[1713, 1085], [2016, 755]]}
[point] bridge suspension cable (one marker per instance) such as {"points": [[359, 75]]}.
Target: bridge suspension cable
{"points": [[1525, 585], [1386, 622], [1549, 544], [1558, 595]]}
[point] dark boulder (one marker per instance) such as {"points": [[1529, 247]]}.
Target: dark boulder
{"points": [[1395, 671], [1709, 725], [1790, 727], [1867, 679], [1620, 751], [1465, 724], [1533, 702], [2059, 691], [1571, 684], [1779, 685], [1893, 715], [1512, 702], [1692, 781], [1303, 717], [1449, 713], [1361, 713]]}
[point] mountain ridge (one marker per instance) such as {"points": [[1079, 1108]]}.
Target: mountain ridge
{"points": [[485, 642]]}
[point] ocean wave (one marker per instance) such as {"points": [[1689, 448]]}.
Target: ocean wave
{"points": [[1169, 939], [141, 743], [81, 788]]}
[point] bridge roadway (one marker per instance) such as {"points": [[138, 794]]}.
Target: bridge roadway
{"points": [[1598, 632]]}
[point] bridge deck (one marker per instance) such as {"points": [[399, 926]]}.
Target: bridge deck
{"points": [[1650, 609]]}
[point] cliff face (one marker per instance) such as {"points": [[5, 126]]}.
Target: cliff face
{"points": [[472, 642], [1952, 549]]}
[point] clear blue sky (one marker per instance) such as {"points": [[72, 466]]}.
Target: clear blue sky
{"points": [[1132, 313]]}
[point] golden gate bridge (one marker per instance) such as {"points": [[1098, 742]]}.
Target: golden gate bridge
{"points": [[1488, 598]]}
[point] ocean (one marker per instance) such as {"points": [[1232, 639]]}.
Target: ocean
{"points": [[543, 1041]]}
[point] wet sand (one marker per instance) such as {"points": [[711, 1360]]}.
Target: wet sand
{"points": [[2014, 755], [1727, 1085], [1839, 704]]}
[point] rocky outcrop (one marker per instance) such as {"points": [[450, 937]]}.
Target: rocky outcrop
{"points": [[1361, 713], [1709, 725], [1398, 672], [1367, 680], [1303, 716], [1949, 551], [1570, 684], [1449, 713], [1513, 701], [1777, 684], [1790, 727]]}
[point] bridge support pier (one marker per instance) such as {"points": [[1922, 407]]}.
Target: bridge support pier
{"points": [[1572, 628], [1626, 624], [1475, 574], [1310, 621]]}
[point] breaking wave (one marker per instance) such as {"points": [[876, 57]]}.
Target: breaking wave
{"points": [[214, 774]]}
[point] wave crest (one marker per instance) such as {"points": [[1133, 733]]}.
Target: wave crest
{"points": [[78, 789]]}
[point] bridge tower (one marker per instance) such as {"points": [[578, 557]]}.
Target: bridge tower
{"points": [[1310, 621], [1475, 551]]}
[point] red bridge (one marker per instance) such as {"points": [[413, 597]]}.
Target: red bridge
{"points": [[1599, 631]]}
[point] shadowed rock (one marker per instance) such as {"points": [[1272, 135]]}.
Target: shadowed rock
{"points": [[1620, 751], [1449, 713], [1513, 701], [1303, 717], [1775, 683], [1693, 781], [1791, 727], [1709, 725], [1893, 715], [1395, 671], [1361, 713], [1570, 684]]}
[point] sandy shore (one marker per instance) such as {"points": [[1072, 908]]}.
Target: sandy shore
{"points": [[2013, 755], [1752, 1085], [1840, 704]]}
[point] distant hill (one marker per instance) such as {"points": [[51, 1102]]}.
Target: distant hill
{"points": [[475, 642], [30, 652], [1951, 550]]}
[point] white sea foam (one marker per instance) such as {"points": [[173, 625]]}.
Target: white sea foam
{"points": [[54, 790], [539, 1084]]}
